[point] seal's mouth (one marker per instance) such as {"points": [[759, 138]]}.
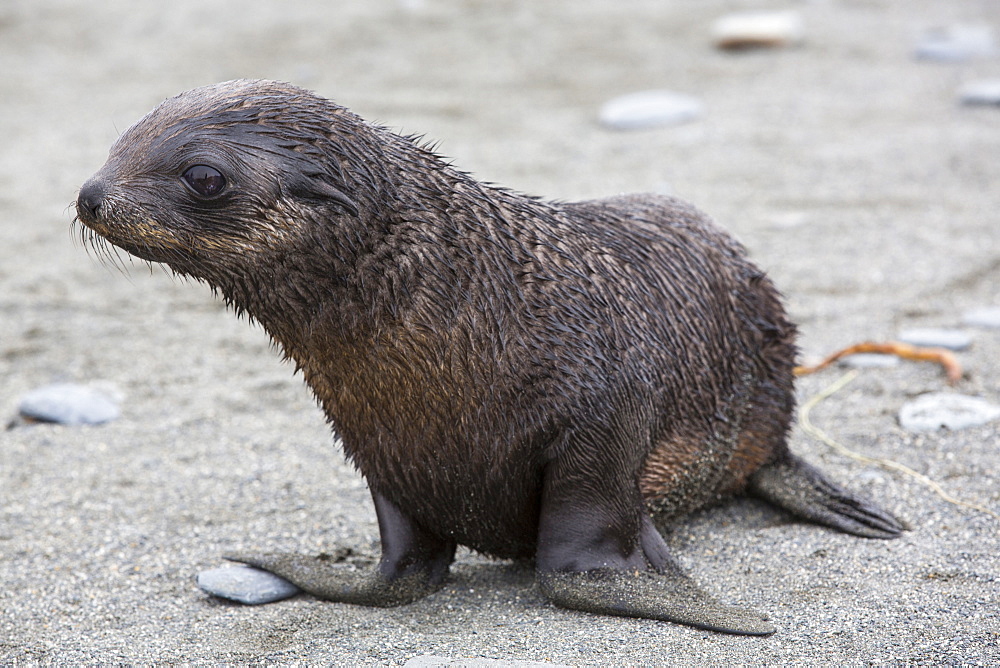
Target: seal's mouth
{"points": [[120, 224], [106, 225], [98, 230], [95, 237]]}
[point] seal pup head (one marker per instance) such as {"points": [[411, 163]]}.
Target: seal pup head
{"points": [[223, 172]]}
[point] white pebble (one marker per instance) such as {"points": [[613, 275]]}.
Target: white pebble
{"points": [[930, 412], [986, 316], [869, 476], [952, 339], [757, 29], [648, 109], [985, 93], [243, 584], [68, 403], [957, 43]]}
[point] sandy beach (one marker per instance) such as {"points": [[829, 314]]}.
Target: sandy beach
{"points": [[846, 165]]}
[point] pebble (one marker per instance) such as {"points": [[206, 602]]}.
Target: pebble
{"points": [[986, 316], [648, 109], [754, 30], [985, 93], [930, 412], [870, 361], [952, 339], [956, 43], [68, 403], [869, 476], [243, 584]]}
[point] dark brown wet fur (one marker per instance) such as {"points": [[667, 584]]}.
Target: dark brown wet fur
{"points": [[526, 378]]}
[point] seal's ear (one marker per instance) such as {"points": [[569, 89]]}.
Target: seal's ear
{"points": [[315, 188]]}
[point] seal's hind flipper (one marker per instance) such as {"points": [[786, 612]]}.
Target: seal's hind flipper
{"points": [[794, 485], [343, 582], [668, 595]]}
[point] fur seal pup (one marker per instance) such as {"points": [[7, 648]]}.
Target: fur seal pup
{"points": [[526, 378]]}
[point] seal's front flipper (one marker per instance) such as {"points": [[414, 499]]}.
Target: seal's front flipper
{"points": [[341, 582], [414, 564], [794, 485], [668, 596]]}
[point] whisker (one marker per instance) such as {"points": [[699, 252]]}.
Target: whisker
{"points": [[99, 249]]}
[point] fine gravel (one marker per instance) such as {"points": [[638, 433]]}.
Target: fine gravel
{"points": [[848, 167]]}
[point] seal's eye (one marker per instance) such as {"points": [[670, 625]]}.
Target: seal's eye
{"points": [[205, 181]]}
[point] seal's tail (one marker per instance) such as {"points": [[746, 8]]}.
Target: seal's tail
{"points": [[794, 485]]}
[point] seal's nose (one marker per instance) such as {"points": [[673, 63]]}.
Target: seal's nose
{"points": [[89, 201]]}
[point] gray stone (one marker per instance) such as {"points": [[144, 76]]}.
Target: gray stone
{"points": [[67, 403], [986, 316], [243, 584], [985, 92], [648, 109], [748, 30], [952, 339], [870, 361], [937, 410], [957, 43]]}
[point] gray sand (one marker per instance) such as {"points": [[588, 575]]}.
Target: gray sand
{"points": [[846, 166]]}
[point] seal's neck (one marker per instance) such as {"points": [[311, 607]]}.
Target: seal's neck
{"points": [[416, 251]]}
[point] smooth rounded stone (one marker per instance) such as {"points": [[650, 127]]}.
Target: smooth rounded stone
{"points": [[866, 476], [956, 43], [870, 361], [986, 316], [754, 30], [930, 412], [68, 403], [952, 339], [980, 93], [244, 584], [649, 109]]}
